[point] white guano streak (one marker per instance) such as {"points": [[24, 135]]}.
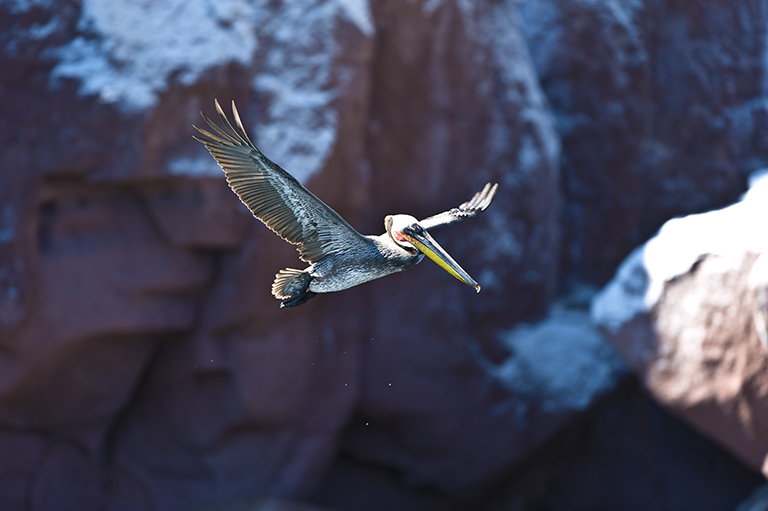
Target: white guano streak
{"points": [[640, 280], [127, 52]]}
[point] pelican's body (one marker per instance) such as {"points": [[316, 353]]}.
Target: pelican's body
{"points": [[339, 256], [376, 257]]}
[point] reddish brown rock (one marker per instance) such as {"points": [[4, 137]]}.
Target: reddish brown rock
{"points": [[133, 341], [464, 109], [660, 109], [458, 425], [687, 312], [146, 365], [624, 453], [710, 365]]}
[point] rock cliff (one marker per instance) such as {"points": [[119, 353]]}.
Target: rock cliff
{"points": [[145, 365]]}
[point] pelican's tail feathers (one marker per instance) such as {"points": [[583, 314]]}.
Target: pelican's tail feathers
{"points": [[292, 286]]}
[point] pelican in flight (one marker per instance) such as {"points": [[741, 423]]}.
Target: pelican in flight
{"points": [[339, 256]]}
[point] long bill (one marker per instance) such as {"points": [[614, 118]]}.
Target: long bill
{"points": [[429, 247]]}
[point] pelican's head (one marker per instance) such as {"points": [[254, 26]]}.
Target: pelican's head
{"points": [[408, 233]]}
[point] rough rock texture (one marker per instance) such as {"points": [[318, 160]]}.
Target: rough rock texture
{"points": [[687, 312], [625, 454], [144, 363], [493, 418], [629, 455], [661, 109], [464, 110]]}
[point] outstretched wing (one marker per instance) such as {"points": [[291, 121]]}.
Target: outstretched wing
{"points": [[274, 196], [475, 205]]}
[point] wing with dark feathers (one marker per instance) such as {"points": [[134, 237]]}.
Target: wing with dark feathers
{"points": [[274, 196], [475, 205]]}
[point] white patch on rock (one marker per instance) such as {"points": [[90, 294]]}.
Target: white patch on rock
{"points": [[757, 184], [624, 296], [127, 52], [301, 79], [621, 28], [488, 279], [498, 27], [640, 280], [562, 362], [500, 239], [21, 35], [529, 155], [430, 6], [194, 167], [21, 6], [542, 28], [359, 13]]}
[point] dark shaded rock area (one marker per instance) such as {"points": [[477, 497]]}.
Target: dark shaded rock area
{"points": [[144, 364], [700, 345], [626, 453], [660, 105], [630, 455]]}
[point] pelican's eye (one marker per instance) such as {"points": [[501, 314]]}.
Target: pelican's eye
{"points": [[413, 229]]}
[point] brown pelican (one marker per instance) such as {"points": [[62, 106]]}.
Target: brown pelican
{"points": [[338, 255]]}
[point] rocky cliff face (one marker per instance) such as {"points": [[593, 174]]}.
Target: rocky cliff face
{"points": [[145, 364], [660, 105]]}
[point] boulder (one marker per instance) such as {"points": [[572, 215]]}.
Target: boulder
{"points": [[687, 312]]}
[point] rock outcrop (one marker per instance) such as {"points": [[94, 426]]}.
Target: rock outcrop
{"points": [[661, 109], [465, 109], [144, 363], [687, 311]]}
